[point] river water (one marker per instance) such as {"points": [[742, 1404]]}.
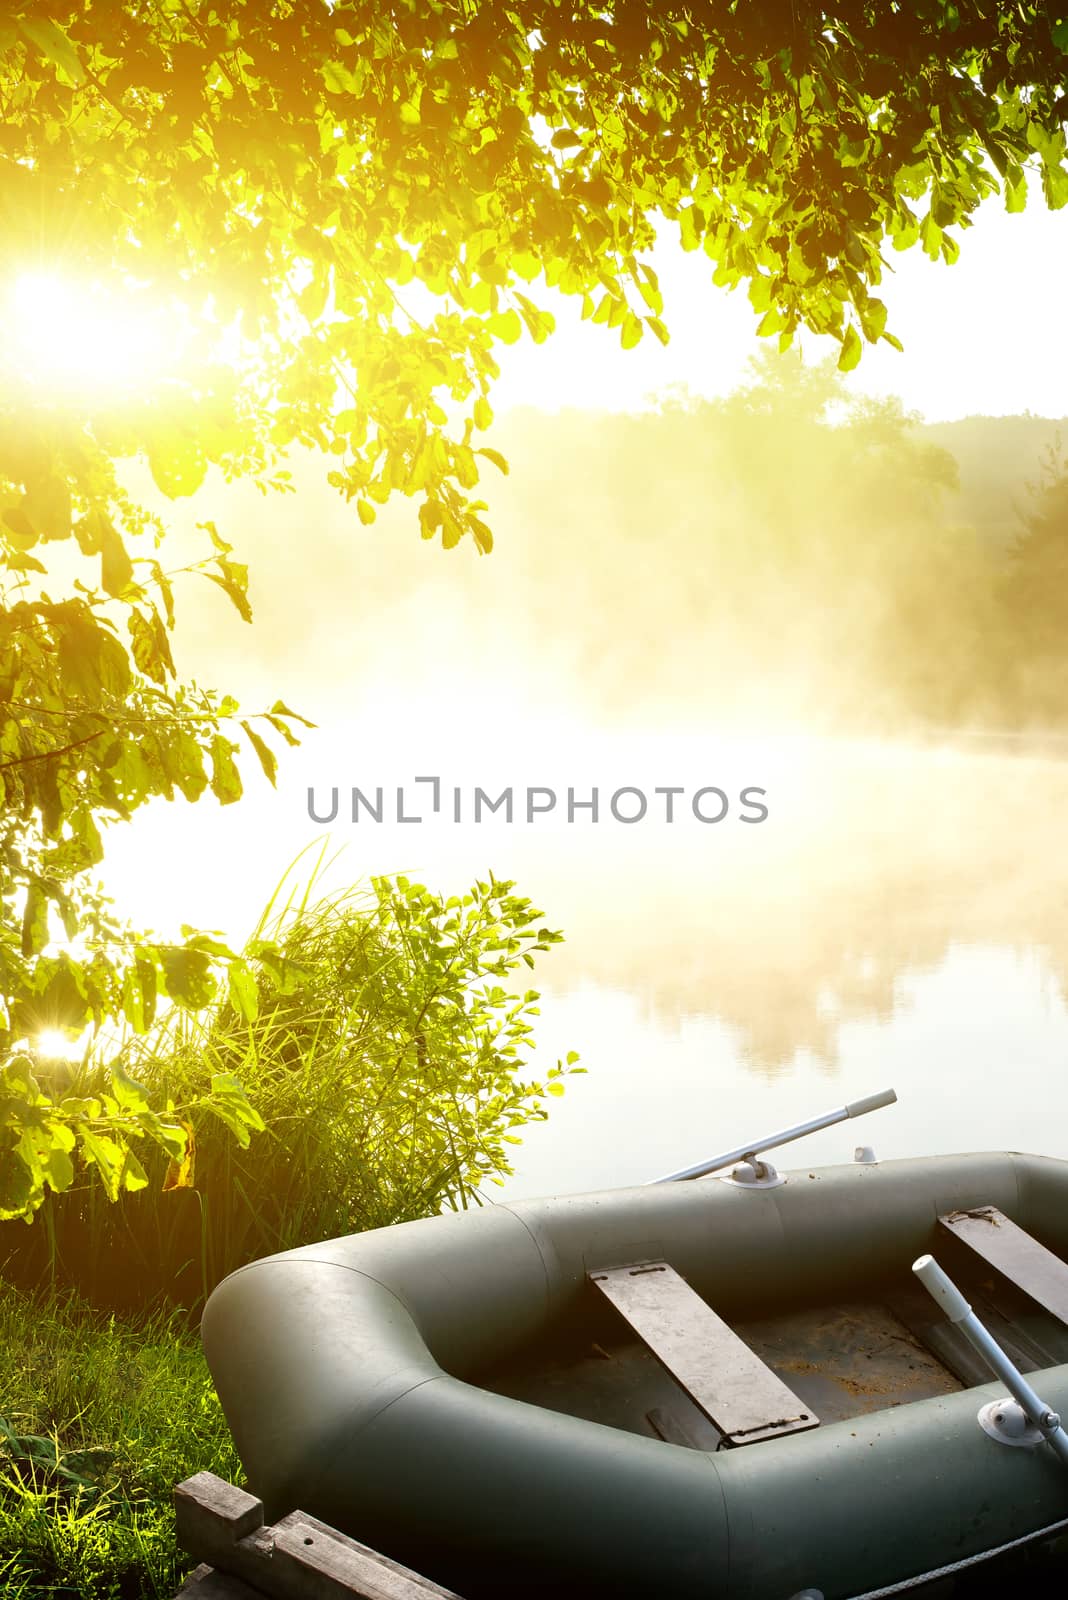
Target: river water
{"points": [[899, 918]]}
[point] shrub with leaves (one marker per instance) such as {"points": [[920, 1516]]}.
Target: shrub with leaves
{"points": [[47, 1138], [383, 1048]]}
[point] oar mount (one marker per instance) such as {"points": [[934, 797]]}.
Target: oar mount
{"points": [[1022, 1420]]}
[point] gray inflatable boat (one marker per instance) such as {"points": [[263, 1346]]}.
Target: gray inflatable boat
{"points": [[727, 1389]]}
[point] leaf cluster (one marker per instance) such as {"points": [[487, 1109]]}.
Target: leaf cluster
{"points": [[48, 1139], [297, 167]]}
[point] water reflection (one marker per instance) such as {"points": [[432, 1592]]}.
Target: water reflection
{"points": [[900, 917]]}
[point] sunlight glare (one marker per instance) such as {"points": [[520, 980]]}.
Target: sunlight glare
{"points": [[69, 336], [57, 1045]]}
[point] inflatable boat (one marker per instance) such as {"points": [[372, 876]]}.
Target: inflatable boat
{"points": [[732, 1389]]}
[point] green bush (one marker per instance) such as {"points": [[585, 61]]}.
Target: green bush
{"points": [[385, 1056]]}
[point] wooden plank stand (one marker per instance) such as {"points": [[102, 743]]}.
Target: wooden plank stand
{"points": [[1015, 1254], [297, 1558], [724, 1378]]}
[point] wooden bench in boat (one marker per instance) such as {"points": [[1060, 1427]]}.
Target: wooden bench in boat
{"points": [[298, 1558], [724, 1378], [1014, 1253]]}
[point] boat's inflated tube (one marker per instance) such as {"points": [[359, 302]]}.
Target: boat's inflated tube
{"points": [[348, 1373]]}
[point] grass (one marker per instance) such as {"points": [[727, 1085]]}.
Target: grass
{"points": [[101, 1418]]}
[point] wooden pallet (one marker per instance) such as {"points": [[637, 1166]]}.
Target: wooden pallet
{"points": [[297, 1558]]}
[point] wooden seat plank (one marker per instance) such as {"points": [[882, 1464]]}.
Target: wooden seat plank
{"points": [[1016, 1255], [738, 1393]]}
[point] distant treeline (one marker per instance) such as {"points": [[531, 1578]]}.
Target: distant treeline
{"points": [[795, 547], [791, 553]]}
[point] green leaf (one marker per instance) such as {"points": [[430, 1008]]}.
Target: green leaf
{"points": [[771, 322], [129, 1094], [243, 991], [872, 315], [264, 754], [187, 977], [58, 1170], [630, 331], [133, 1005], [181, 1167], [225, 778], [116, 568], [107, 1155], [851, 349], [148, 982], [171, 1137], [506, 325], [1055, 186], [47, 505], [132, 1175], [21, 1189], [280, 709], [53, 44], [232, 579], [178, 464], [495, 456], [34, 920]]}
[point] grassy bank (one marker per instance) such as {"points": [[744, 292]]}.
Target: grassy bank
{"points": [[101, 1418], [385, 1057]]}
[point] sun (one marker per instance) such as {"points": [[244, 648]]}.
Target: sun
{"points": [[53, 1043], [70, 337]]}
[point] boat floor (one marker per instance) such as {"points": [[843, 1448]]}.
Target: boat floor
{"points": [[843, 1360]]}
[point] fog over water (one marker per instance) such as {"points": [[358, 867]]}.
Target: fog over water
{"points": [[898, 918]]}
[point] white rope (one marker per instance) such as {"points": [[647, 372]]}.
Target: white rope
{"points": [[964, 1562]]}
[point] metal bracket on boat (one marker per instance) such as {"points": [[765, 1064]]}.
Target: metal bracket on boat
{"points": [[748, 1152], [1009, 1423], [752, 1173], [1024, 1420]]}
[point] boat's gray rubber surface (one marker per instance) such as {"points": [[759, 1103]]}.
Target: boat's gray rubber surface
{"points": [[348, 1373]]}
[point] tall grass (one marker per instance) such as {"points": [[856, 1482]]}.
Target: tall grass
{"points": [[386, 1060], [99, 1419]]}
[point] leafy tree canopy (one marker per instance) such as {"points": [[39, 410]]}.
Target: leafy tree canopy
{"points": [[297, 165]]}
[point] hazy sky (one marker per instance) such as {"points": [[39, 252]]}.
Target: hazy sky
{"points": [[987, 335]]}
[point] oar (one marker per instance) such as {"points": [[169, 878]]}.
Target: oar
{"points": [[1000, 1419], [745, 1152]]}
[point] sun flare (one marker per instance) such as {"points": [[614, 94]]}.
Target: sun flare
{"points": [[69, 336], [57, 1045]]}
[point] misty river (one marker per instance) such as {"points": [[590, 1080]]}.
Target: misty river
{"points": [[899, 918]]}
